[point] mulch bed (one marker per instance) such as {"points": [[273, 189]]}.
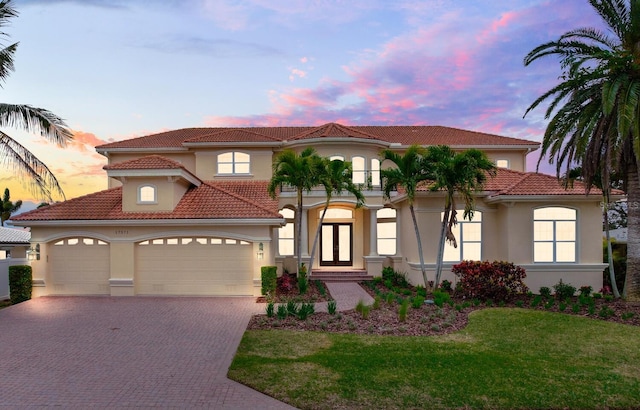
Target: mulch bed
{"points": [[431, 320]]}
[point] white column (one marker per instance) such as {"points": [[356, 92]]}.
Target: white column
{"points": [[304, 251], [373, 232]]}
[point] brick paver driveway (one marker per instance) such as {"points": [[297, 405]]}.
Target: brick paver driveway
{"points": [[117, 352]]}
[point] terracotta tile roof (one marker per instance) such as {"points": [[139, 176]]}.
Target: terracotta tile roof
{"points": [[400, 134], [14, 236], [211, 200], [334, 130], [233, 135], [146, 162], [510, 182]]}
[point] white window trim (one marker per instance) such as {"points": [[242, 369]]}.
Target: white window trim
{"points": [[155, 194], [554, 241], [233, 163]]}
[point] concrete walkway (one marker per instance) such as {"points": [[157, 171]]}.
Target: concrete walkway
{"points": [[79, 352]]}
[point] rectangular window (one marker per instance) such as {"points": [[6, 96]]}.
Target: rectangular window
{"points": [[468, 237], [285, 240], [234, 163], [554, 235]]}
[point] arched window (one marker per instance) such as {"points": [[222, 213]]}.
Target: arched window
{"points": [[234, 163], [554, 234], [336, 158], [285, 234], [358, 166], [386, 231], [147, 194], [468, 237]]}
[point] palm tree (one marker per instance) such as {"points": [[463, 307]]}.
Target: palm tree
{"points": [[41, 180], [336, 178], [463, 173], [301, 172], [409, 172], [8, 207], [595, 110]]}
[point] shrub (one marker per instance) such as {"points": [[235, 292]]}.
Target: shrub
{"points": [[305, 310], [376, 303], [396, 278], [292, 308], [627, 315], [608, 298], [285, 283], [585, 291], [20, 283], [564, 290], [269, 279], [270, 309], [331, 307], [402, 312], [446, 285], [303, 285], [281, 312], [545, 292], [536, 301], [606, 312], [322, 289], [417, 302], [421, 291], [490, 280], [440, 298], [519, 303]]}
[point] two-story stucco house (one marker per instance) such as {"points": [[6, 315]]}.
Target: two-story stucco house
{"points": [[187, 213]]}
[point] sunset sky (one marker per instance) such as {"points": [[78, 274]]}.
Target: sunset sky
{"points": [[117, 69]]}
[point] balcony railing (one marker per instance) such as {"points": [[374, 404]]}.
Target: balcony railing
{"points": [[365, 180]]}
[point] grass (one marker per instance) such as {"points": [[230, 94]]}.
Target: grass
{"points": [[504, 359]]}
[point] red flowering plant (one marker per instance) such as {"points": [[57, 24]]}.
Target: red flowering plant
{"points": [[498, 281]]}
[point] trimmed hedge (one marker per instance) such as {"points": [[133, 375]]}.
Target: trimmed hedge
{"points": [[269, 279], [20, 278]]}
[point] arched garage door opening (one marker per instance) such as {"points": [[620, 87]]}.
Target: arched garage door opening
{"points": [[194, 266], [79, 266]]}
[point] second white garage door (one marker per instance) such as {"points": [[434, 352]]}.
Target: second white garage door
{"points": [[195, 266]]}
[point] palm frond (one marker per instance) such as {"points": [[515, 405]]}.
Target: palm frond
{"points": [[37, 121]]}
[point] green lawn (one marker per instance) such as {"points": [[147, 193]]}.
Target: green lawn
{"points": [[504, 359]]}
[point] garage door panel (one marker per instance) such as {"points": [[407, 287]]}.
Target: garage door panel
{"points": [[212, 268], [79, 267]]}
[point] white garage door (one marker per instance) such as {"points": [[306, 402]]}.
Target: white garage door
{"points": [[79, 266], [194, 266]]}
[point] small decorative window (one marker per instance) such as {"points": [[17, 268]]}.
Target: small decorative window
{"points": [[502, 163], [234, 163], [336, 158], [554, 234], [147, 194]]}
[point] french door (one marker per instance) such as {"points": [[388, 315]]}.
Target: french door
{"points": [[336, 244]]}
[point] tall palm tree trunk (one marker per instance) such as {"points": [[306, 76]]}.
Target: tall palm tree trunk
{"points": [[415, 226], [315, 240], [299, 229], [632, 280], [439, 261], [612, 272]]}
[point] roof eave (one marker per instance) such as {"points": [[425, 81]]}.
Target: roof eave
{"points": [[497, 198], [339, 140], [232, 144], [148, 222], [128, 173]]}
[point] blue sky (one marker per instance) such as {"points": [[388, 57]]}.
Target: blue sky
{"points": [[117, 69]]}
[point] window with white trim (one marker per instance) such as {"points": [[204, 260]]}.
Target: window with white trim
{"points": [[468, 237], [554, 234], [234, 163], [358, 168], [147, 194], [285, 234], [502, 163], [375, 172], [386, 221]]}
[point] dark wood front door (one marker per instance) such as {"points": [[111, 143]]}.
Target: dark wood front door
{"points": [[336, 244]]}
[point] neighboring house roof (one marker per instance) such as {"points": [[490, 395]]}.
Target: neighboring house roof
{"points": [[210, 200], [397, 134], [10, 236]]}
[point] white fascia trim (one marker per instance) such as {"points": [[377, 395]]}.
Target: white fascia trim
{"points": [[342, 140], [399, 146], [127, 173], [151, 222], [160, 150]]}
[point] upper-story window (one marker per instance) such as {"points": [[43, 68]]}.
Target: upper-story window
{"points": [[234, 163], [502, 163], [147, 194], [375, 172], [336, 158], [468, 237], [554, 234], [358, 167]]}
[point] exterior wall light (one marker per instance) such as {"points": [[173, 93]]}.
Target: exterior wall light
{"points": [[33, 254], [260, 254]]}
